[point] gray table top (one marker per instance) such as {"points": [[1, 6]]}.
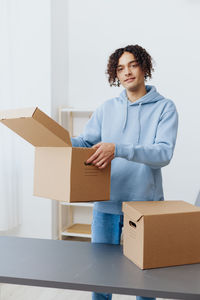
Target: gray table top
{"points": [[91, 267]]}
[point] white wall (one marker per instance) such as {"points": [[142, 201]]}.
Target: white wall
{"points": [[37, 53], [169, 30], [32, 87], [40, 79], [59, 55], [59, 72], [30, 76]]}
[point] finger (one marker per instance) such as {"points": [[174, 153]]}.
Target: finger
{"points": [[107, 157], [93, 157], [100, 162], [106, 162], [103, 166], [96, 146], [99, 158]]}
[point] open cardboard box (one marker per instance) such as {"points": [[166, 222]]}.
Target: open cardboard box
{"points": [[161, 233], [60, 170]]}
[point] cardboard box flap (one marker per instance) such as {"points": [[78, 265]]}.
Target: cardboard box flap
{"points": [[131, 211], [36, 127], [147, 208]]}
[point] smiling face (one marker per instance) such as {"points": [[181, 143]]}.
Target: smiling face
{"points": [[129, 72]]}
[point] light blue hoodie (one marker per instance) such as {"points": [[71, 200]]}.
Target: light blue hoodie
{"points": [[144, 133]]}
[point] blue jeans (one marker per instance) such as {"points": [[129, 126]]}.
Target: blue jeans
{"points": [[107, 228]]}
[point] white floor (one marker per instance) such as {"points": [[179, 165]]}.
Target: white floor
{"points": [[20, 292]]}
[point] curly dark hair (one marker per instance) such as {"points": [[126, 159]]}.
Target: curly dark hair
{"points": [[141, 55]]}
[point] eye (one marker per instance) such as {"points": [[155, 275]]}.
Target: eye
{"points": [[119, 69], [134, 65]]}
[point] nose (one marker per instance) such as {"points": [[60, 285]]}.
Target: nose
{"points": [[127, 71]]}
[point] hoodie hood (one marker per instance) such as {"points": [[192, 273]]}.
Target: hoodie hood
{"points": [[151, 96]]}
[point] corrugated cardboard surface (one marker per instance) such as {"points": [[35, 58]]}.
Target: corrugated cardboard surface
{"points": [[171, 239], [141, 208], [58, 131], [36, 127], [133, 244], [17, 113], [52, 173], [170, 233], [88, 183]]}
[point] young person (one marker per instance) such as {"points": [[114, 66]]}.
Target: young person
{"points": [[136, 132]]}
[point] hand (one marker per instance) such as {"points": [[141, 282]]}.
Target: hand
{"points": [[103, 155]]}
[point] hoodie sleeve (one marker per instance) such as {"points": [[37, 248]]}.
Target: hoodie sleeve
{"points": [[159, 153], [92, 132]]}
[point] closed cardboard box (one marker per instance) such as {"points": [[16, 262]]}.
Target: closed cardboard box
{"points": [[60, 170], [161, 233]]}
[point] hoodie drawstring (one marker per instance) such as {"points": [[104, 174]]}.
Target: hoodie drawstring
{"points": [[139, 123], [125, 115], [138, 118]]}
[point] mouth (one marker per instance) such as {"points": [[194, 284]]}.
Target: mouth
{"points": [[129, 79]]}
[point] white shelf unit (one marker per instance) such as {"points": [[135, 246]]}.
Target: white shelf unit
{"points": [[70, 213]]}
